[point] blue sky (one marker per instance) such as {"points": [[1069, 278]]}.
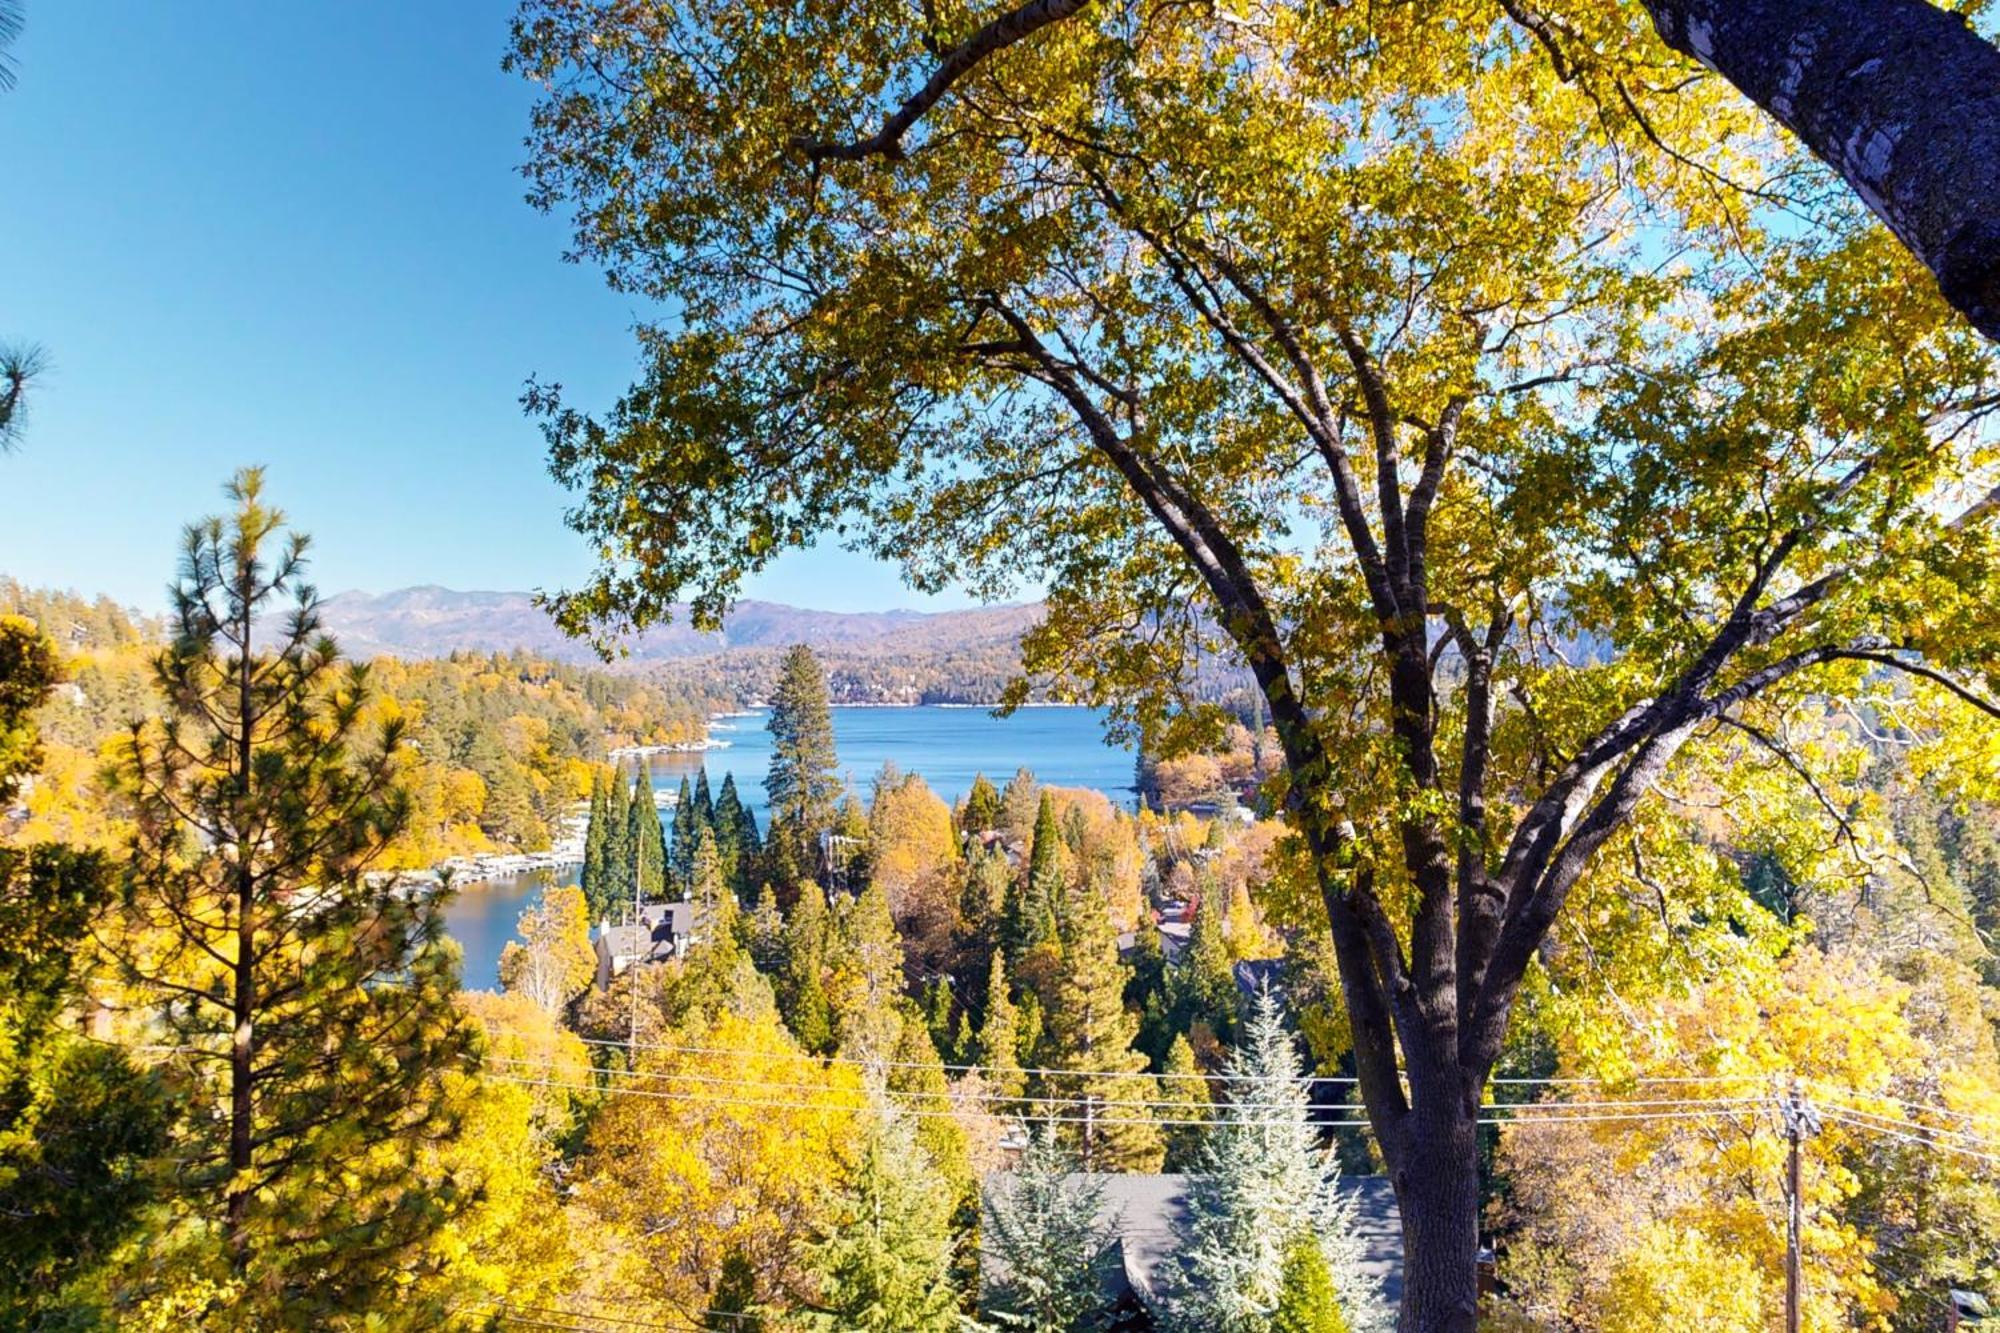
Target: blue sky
{"points": [[293, 234]]}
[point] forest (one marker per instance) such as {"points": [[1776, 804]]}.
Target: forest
{"points": [[1522, 473]]}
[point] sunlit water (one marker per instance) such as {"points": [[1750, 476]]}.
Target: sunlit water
{"points": [[946, 746]]}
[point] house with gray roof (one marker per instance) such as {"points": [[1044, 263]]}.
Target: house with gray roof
{"points": [[1147, 1219], [659, 932]]}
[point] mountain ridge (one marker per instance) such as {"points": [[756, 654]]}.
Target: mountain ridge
{"points": [[428, 620]]}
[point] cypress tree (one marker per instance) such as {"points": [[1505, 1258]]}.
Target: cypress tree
{"points": [[803, 782], [680, 857], [647, 840], [615, 871], [591, 881]]}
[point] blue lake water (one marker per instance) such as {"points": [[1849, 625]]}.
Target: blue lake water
{"points": [[947, 747]]}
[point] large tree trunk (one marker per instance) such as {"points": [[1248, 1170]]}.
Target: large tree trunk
{"points": [[1898, 96], [1437, 1191]]}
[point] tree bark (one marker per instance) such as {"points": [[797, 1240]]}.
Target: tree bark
{"points": [[1898, 96], [1436, 1178]]}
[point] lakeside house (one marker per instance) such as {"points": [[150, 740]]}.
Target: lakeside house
{"points": [[660, 932], [1146, 1217]]}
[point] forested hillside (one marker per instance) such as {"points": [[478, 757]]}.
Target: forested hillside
{"points": [[501, 745]]}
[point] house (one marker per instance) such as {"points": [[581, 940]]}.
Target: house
{"points": [[1147, 1216], [662, 931]]}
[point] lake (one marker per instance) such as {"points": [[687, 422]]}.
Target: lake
{"points": [[947, 747]]}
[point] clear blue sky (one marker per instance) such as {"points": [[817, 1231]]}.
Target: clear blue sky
{"points": [[292, 233]]}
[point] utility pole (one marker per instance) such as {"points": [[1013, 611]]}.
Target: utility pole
{"points": [[1801, 1121]]}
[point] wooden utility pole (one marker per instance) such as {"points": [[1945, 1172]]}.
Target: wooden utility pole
{"points": [[1801, 1121]]}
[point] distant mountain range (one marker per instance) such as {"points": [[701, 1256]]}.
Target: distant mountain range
{"points": [[433, 621]]}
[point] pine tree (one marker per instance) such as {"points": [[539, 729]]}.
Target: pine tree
{"points": [[916, 1076], [591, 880], [885, 1264], [803, 782], [1044, 1227], [1185, 1090], [982, 806], [647, 840], [711, 897], [327, 1002], [686, 827], [767, 933], [1088, 1029], [999, 1043], [1263, 1184], [616, 873]]}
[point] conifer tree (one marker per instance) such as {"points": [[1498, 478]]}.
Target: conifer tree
{"points": [[704, 802], [1307, 1301], [916, 1076], [687, 825], [1205, 984], [1032, 914], [647, 840], [802, 986], [592, 880], [316, 1009], [1263, 1185], [982, 806], [1089, 1030], [885, 1264], [1184, 1090], [867, 962], [705, 887], [1044, 1226], [616, 868], [767, 933], [728, 820], [999, 1044], [802, 783]]}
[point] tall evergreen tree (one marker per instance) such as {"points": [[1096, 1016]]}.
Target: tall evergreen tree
{"points": [[728, 820], [1045, 1227], [1184, 1093], [982, 806], [803, 783], [869, 961], [317, 1008], [648, 841], [1088, 1029], [704, 802], [1032, 914], [802, 986], [998, 1050], [596, 895], [1205, 984], [617, 855], [1264, 1184], [885, 1265], [687, 825]]}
